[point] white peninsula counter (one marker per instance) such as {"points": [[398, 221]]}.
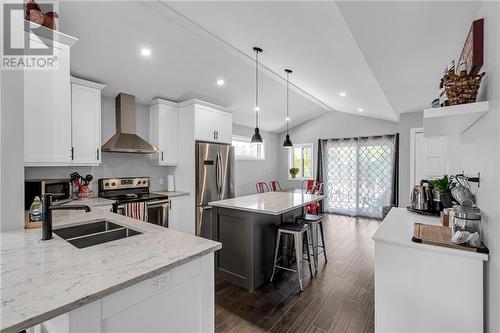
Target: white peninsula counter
{"points": [[424, 288], [246, 227], [158, 280]]}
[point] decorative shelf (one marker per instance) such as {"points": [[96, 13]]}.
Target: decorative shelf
{"points": [[453, 120]]}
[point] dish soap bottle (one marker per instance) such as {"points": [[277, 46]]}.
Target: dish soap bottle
{"points": [[36, 210]]}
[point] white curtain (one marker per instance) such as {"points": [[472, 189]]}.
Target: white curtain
{"points": [[358, 175]]}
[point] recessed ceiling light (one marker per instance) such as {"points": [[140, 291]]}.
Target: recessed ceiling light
{"points": [[342, 94], [146, 52], [360, 110], [220, 82], [257, 109]]}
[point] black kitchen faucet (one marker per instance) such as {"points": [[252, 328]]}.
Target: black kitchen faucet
{"points": [[47, 209]]}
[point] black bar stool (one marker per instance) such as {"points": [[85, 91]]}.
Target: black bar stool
{"points": [[300, 232], [315, 223]]}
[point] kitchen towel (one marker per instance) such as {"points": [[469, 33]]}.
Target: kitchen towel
{"points": [[170, 183], [137, 210]]}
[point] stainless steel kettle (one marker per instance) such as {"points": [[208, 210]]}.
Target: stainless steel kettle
{"points": [[418, 198]]}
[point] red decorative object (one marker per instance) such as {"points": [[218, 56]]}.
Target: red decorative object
{"points": [[34, 14], [472, 52]]}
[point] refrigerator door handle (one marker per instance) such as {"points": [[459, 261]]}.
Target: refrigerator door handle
{"points": [[217, 174], [219, 177]]}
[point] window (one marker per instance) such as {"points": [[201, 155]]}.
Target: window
{"points": [[245, 150], [301, 157], [359, 175]]}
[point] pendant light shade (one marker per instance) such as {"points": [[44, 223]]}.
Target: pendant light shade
{"points": [[288, 143], [257, 138]]}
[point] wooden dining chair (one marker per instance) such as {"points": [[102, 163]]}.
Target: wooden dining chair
{"points": [[262, 187], [275, 186]]}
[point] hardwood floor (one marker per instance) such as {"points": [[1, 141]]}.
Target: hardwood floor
{"points": [[338, 299]]}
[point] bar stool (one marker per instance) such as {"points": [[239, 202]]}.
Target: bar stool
{"points": [[300, 232], [315, 223]]}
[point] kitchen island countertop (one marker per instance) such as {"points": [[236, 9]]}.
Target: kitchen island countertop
{"points": [[44, 279], [272, 203]]}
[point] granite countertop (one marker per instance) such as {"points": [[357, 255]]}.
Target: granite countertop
{"points": [[397, 229], [44, 279], [272, 203], [172, 194]]}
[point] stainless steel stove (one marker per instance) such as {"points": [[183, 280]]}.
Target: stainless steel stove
{"points": [[135, 189]]}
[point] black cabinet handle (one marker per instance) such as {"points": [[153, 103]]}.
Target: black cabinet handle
{"points": [[97, 153], [72, 153], [162, 156]]}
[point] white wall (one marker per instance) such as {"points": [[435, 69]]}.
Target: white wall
{"points": [[480, 151], [407, 121], [330, 125], [114, 164], [249, 172]]}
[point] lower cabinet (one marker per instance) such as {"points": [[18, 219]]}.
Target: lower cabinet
{"points": [[179, 300], [178, 218]]}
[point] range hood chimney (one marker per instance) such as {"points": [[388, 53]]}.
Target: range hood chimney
{"points": [[125, 140]]}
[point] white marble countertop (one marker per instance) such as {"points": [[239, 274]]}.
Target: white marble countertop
{"points": [[92, 202], [397, 229], [172, 194], [272, 203], [44, 279]]}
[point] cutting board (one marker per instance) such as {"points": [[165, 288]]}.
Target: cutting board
{"points": [[440, 236]]}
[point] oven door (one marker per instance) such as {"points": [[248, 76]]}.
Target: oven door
{"points": [[158, 212]]}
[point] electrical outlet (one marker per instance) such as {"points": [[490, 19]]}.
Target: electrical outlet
{"points": [[159, 282]]}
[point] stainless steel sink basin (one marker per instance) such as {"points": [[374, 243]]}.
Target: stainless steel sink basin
{"points": [[89, 234]]}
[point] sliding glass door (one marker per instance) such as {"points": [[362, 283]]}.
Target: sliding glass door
{"points": [[359, 175]]}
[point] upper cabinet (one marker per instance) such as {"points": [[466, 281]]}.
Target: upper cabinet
{"points": [[212, 125], [47, 106], [85, 122], [164, 131]]}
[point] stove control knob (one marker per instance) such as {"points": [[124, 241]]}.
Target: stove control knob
{"points": [[113, 184], [139, 182], [144, 182], [107, 184]]}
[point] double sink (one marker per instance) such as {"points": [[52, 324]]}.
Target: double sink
{"points": [[94, 233]]}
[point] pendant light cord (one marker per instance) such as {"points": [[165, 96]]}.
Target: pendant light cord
{"points": [[287, 100], [257, 108]]}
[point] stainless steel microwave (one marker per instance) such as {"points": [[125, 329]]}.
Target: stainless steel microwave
{"points": [[61, 188]]}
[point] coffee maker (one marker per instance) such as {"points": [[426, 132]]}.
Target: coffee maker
{"points": [[422, 199]]}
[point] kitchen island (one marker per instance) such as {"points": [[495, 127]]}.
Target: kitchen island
{"points": [[424, 288], [158, 280], [246, 227]]}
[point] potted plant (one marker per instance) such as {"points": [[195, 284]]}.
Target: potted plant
{"points": [[294, 172], [443, 186]]}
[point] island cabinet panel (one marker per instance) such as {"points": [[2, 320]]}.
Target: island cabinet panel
{"points": [[178, 300], [248, 240]]}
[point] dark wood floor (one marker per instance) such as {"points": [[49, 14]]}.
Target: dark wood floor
{"points": [[338, 299]]}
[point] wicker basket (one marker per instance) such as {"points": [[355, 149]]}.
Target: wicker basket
{"points": [[462, 89]]}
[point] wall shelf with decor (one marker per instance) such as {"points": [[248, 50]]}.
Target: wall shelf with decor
{"points": [[453, 120]]}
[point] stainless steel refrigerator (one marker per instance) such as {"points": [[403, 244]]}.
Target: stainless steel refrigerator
{"points": [[214, 181]]}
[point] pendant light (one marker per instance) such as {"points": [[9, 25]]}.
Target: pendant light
{"points": [[288, 143], [257, 138]]}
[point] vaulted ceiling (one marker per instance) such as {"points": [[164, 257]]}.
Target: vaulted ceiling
{"points": [[385, 56]]}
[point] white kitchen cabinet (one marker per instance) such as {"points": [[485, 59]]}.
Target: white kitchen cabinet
{"points": [[85, 122], [178, 300], [47, 107], [178, 218], [164, 131], [213, 125]]}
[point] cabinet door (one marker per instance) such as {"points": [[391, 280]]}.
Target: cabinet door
{"points": [[205, 123], [177, 219], [225, 128], [169, 135], [47, 112], [85, 125]]}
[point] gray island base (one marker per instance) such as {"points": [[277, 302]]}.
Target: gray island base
{"points": [[246, 227]]}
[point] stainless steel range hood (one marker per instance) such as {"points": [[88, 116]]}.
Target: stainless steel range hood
{"points": [[125, 140]]}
